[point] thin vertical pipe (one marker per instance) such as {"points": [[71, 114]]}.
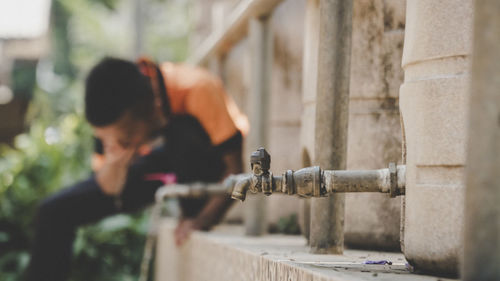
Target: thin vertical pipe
{"points": [[332, 102], [261, 55]]}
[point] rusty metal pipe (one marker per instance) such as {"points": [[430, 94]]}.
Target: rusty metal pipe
{"points": [[313, 182], [357, 181], [199, 189], [304, 184], [382, 180]]}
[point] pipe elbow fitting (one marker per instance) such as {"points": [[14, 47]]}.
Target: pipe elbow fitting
{"points": [[240, 189]]}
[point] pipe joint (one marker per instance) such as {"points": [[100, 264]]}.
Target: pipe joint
{"points": [[305, 182]]}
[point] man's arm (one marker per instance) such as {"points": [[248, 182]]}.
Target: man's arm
{"points": [[216, 207]]}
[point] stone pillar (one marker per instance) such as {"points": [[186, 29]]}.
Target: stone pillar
{"points": [[332, 114], [433, 102], [482, 198], [372, 221]]}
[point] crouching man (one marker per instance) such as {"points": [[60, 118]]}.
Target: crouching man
{"points": [[130, 107]]}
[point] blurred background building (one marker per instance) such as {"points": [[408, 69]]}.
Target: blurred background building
{"points": [[24, 27]]}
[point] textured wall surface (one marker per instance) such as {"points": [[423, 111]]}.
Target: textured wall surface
{"points": [[481, 258], [432, 100], [236, 76], [286, 86], [433, 106], [373, 220], [374, 137]]}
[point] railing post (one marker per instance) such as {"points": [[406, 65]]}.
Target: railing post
{"points": [[332, 101], [482, 198], [261, 64]]}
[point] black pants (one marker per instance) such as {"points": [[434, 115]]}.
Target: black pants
{"points": [[60, 215]]}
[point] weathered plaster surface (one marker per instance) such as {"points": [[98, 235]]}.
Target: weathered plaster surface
{"points": [[433, 101]]}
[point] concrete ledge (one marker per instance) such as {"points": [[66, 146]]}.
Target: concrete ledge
{"points": [[226, 254]]}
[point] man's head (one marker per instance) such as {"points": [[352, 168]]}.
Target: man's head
{"points": [[119, 102]]}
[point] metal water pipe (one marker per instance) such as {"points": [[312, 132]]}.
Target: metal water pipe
{"points": [[198, 189], [314, 182]]}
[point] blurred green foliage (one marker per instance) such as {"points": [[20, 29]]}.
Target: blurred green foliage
{"points": [[55, 149], [286, 225], [29, 172], [110, 250]]}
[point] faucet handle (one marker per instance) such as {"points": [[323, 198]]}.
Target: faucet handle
{"points": [[261, 160]]}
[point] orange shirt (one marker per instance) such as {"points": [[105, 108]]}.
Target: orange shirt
{"points": [[194, 91]]}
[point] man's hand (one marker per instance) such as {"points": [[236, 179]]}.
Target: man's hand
{"points": [[184, 229], [112, 175]]}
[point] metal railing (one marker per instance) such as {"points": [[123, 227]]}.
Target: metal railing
{"points": [[233, 30]]}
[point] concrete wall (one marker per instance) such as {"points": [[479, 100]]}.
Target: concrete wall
{"points": [[432, 99], [236, 77], [433, 106], [286, 95], [481, 258], [374, 137]]}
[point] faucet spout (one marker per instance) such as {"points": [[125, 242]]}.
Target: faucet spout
{"points": [[241, 187]]}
